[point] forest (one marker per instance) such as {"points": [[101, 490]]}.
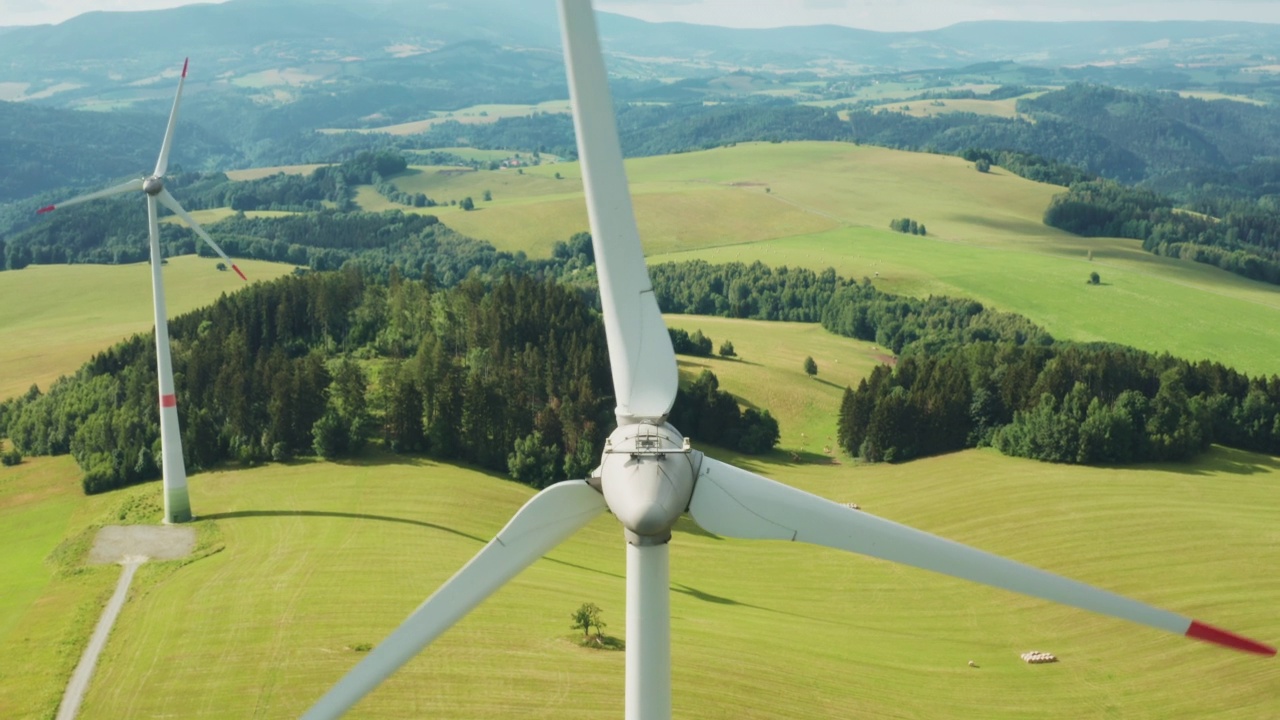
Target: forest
{"points": [[507, 372], [1243, 239]]}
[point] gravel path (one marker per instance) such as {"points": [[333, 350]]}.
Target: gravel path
{"points": [[84, 671], [129, 545]]}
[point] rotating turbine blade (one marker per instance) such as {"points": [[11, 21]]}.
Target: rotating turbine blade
{"points": [[732, 502], [640, 355], [114, 190], [548, 519], [162, 164], [171, 202]]}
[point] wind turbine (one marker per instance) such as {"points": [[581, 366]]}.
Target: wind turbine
{"points": [[649, 475], [177, 501]]}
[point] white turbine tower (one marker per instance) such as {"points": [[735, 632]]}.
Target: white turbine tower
{"points": [[177, 502], [649, 475]]}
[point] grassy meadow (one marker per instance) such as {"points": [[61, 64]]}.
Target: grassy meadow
{"points": [[55, 317], [821, 205], [473, 115], [314, 559], [301, 563]]}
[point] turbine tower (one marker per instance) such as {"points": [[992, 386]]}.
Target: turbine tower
{"points": [[649, 475], [177, 501]]}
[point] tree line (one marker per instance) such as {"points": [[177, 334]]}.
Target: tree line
{"points": [[1245, 240], [1066, 402], [508, 372]]}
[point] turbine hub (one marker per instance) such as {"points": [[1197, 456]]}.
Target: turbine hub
{"points": [[647, 476], [152, 185]]}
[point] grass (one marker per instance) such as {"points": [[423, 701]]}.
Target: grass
{"points": [[215, 215], [474, 115], [320, 558], [57, 316], [257, 173], [768, 372], [49, 602], [829, 204], [1005, 108], [1211, 96], [306, 563]]}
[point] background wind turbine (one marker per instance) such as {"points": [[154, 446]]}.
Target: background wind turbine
{"points": [[177, 501], [649, 475]]}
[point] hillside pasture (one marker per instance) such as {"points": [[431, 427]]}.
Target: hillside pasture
{"points": [[820, 205], [57, 316], [1005, 108], [473, 115], [768, 373], [321, 558], [262, 172]]}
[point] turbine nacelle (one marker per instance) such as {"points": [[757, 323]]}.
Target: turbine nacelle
{"points": [[647, 475], [153, 185]]}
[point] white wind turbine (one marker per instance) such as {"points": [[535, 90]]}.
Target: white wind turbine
{"points": [[649, 475], [177, 502]]}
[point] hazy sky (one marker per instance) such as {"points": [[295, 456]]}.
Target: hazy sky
{"points": [[870, 14]]}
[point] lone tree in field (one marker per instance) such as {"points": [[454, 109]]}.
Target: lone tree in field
{"points": [[468, 203], [810, 367], [1095, 279], [726, 349], [586, 617]]}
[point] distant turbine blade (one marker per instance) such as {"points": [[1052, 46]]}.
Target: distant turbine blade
{"points": [[547, 520], [114, 190], [640, 354], [171, 202], [732, 502], [162, 164]]}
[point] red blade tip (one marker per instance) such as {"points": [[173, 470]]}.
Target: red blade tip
{"points": [[1209, 633], [184, 66], [45, 209], [242, 277]]}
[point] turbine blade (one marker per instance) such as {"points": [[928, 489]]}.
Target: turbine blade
{"points": [[732, 502], [544, 522], [640, 354], [162, 164], [113, 190], [171, 202]]}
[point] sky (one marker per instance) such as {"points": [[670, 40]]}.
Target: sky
{"points": [[882, 15]]}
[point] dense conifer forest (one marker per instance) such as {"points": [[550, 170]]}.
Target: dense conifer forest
{"points": [[507, 372]]}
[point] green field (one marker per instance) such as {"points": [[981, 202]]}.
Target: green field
{"points": [[55, 317], [305, 561], [318, 558], [768, 372], [473, 115], [1006, 107], [823, 205], [256, 173]]}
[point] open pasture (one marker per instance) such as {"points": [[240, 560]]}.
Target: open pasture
{"points": [[319, 558], [257, 173], [823, 205], [56, 317], [473, 115], [1005, 108], [768, 373], [49, 601]]}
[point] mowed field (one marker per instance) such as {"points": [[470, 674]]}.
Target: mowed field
{"points": [[314, 559], [55, 317], [473, 115], [821, 205], [303, 562]]}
